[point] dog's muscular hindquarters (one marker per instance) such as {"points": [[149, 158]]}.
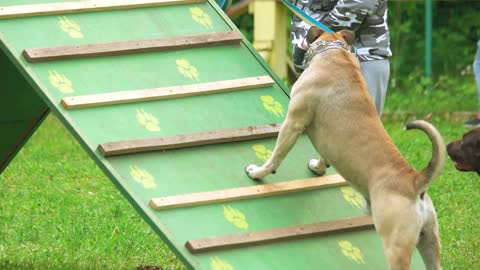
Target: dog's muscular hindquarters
{"points": [[330, 102]]}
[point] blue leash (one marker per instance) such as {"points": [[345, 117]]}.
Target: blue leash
{"points": [[308, 19], [305, 17]]}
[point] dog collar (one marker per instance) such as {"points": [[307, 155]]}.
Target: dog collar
{"points": [[320, 46]]}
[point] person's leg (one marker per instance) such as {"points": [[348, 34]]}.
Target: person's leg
{"points": [[376, 74], [298, 54], [298, 31], [476, 70], [475, 122]]}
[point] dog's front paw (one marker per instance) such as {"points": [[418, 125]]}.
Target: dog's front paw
{"points": [[255, 172], [317, 166]]}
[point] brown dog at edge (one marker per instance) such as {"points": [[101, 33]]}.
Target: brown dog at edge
{"points": [[330, 101], [466, 152]]}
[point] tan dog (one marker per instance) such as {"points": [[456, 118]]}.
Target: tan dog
{"points": [[331, 103]]}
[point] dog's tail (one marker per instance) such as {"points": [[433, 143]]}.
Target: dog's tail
{"points": [[438, 153]]}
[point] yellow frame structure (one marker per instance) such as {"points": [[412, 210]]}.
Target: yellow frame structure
{"points": [[270, 35]]}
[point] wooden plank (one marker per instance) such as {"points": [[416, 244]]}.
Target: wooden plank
{"points": [[242, 193], [279, 234], [188, 140], [238, 9], [83, 6], [86, 101], [34, 55]]}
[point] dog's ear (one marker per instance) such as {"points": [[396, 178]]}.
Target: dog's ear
{"points": [[348, 36], [313, 34]]}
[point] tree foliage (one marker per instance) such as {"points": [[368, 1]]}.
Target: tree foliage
{"points": [[456, 29]]}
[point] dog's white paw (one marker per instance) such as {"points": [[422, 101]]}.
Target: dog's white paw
{"points": [[255, 172], [317, 167]]}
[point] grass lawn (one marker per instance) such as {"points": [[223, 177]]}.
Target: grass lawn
{"points": [[58, 211], [455, 195]]}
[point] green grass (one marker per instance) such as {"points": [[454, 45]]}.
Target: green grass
{"points": [[445, 95], [58, 211], [456, 195]]}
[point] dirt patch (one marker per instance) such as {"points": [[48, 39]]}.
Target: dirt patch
{"points": [[148, 267]]}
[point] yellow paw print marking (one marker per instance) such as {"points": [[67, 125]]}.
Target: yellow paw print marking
{"points": [[70, 27], [235, 217], [351, 252], [201, 17], [352, 197], [147, 120], [60, 81], [262, 152], [273, 106], [187, 69], [143, 177], [219, 264]]}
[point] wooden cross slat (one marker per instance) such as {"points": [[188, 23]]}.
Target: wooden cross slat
{"points": [[132, 46], [16, 11], [111, 98], [188, 140], [279, 234], [200, 198]]}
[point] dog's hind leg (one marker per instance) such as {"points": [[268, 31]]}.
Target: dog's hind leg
{"points": [[318, 166], [298, 117], [429, 242], [399, 223]]}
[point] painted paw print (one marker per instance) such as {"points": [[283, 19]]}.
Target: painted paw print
{"points": [[60, 81], [201, 17], [70, 27], [147, 120], [351, 252], [273, 106], [219, 264], [187, 69], [143, 177], [262, 152], [235, 217], [352, 197]]}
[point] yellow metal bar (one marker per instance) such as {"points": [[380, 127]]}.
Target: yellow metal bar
{"points": [[270, 33]]}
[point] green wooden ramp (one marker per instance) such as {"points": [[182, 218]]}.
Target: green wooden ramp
{"points": [[172, 103]]}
